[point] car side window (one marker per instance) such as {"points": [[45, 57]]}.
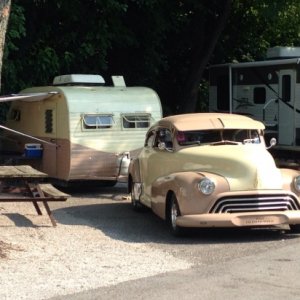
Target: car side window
{"points": [[164, 136], [150, 139]]}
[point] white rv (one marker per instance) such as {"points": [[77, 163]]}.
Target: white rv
{"points": [[78, 129], [268, 91]]}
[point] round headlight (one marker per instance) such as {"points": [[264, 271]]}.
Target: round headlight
{"points": [[206, 186], [297, 183]]}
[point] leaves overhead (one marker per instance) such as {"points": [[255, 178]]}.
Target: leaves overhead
{"points": [[156, 43]]}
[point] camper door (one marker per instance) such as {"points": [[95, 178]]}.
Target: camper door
{"points": [[286, 109]]}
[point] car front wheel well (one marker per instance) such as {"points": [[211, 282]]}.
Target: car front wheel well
{"points": [[168, 202], [172, 214]]}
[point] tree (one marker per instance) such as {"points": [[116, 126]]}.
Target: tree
{"points": [[204, 45], [256, 25], [4, 16], [163, 44], [59, 37], [172, 43]]}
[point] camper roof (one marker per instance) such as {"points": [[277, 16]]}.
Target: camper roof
{"points": [[275, 56], [288, 61], [78, 79]]}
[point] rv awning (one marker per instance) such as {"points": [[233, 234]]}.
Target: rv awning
{"points": [[27, 97], [26, 135]]}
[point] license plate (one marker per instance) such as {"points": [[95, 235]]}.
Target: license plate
{"points": [[259, 220]]}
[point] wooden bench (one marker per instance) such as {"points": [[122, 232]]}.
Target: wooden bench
{"points": [[50, 191], [31, 190]]}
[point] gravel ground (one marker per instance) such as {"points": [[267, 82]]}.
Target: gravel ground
{"points": [[38, 261]]}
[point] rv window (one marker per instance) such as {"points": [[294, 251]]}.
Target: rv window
{"points": [[259, 95], [286, 88], [223, 93], [97, 121], [136, 121]]}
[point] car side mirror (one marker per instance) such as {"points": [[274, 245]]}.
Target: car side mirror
{"points": [[273, 142]]}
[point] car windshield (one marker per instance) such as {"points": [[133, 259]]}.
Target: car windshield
{"points": [[218, 137]]}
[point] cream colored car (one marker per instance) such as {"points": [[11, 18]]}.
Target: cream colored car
{"points": [[213, 170]]}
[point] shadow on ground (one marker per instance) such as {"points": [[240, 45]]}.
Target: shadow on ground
{"points": [[118, 221]]}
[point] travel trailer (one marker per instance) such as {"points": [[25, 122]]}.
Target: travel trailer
{"points": [[78, 129], [268, 91]]}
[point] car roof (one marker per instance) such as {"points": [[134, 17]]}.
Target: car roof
{"points": [[204, 121]]}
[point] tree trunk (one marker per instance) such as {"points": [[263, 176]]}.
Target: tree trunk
{"points": [[4, 15], [200, 59]]}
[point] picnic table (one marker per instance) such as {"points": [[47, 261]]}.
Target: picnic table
{"points": [[25, 184]]}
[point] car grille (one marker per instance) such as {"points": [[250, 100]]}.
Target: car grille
{"points": [[255, 204]]}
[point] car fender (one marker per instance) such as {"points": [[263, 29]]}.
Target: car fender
{"points": [[185, 187], [133, 173], [288, 176]]}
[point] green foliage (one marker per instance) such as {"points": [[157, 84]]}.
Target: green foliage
{"points": [[15, 32], [151, 42], [59, 37], [255, 26]]}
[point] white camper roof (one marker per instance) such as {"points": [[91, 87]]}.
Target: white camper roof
{"points": [[275, 56], [274, 62], [116, 98], [104, 98]]}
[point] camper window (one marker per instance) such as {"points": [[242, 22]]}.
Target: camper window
{"points": [[136, 121], [223, 93], [48, 120], [96, 121], [259, 95]]}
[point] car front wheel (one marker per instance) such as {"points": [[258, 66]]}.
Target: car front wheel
{"points": [[135, 203], [173, 214]]}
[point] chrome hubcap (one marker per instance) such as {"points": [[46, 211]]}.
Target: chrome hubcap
{"points": [[136, 191], [174, 214]]}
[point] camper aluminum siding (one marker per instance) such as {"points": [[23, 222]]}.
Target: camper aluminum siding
{"points": [[83, 152], [268, 91]]}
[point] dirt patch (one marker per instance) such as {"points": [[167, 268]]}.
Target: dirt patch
{"points": [[5, 248], [76, 255]]}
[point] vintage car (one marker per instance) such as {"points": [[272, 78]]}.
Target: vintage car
{"points": [[213, 170]]}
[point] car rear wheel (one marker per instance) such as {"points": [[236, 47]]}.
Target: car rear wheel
{"points": [[173, 214]]}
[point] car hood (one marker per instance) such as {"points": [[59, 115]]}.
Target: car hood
{"points": [[245, 167]]}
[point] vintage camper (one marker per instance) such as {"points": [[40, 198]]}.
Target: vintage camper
{"points": [[78, 129], [268, 91]]}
